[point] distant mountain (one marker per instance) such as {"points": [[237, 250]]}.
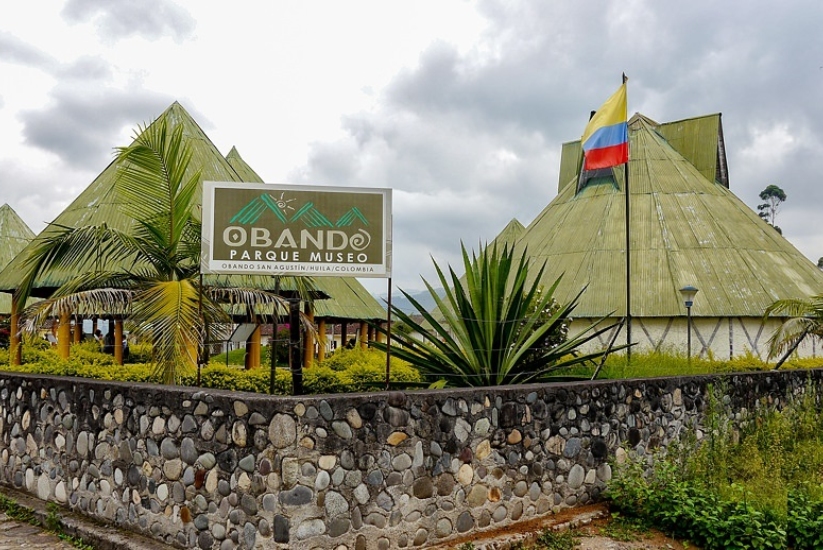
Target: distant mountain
{"points": [[405, 306]]}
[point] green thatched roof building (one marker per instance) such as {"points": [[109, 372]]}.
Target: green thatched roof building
{"points": [[686, 227]]}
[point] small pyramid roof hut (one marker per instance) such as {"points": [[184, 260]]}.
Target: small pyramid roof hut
{"points": [[98, 203], [509, 234], [686, 227], [14, 236]]}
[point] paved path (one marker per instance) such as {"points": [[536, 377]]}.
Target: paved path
{"points": [[16, 535]]}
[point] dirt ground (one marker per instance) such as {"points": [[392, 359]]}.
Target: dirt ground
{"points": [[590, 524], [591, 538]]}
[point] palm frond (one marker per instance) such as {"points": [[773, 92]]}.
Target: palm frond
{"points": [[112, 300], [168, 314], [263, 304], [67, 248], [805, 320], [158, 191]]}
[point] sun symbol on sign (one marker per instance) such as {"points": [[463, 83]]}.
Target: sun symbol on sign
{"points": [[283, 203]]}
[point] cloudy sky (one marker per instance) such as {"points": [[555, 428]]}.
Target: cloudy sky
{"points": [[460, 107]]}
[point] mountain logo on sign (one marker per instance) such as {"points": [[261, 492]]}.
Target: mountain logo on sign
{"points": [[282, 209]]}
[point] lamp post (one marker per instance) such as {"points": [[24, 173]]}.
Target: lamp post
{"points": [[688, 292]]}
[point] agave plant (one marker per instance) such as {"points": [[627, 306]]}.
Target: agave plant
{"points": [[805, 321], [155, 279], [496, 328]]}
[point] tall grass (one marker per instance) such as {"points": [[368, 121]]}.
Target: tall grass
{"points": [[668, 363]]}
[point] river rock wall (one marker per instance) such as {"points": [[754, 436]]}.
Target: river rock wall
{"points": [[220, 470]]}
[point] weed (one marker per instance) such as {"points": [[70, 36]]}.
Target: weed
{"points": [[550, 540], [53, 522], [74, 541], [624, 528], [15, 511]]}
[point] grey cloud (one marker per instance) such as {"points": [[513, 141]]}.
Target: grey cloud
{"points": [[81, 124], [33, 193], [116, 19], [451, 121], [14, 50], [87, 68]]}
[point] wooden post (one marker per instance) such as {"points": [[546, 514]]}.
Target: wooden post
{"points": [[78, 329], [295, 361], [343, 336], [64, 336], [15, 349], [321, 344], [308, 340], [118, 341], [253, 348], [364, 335]]}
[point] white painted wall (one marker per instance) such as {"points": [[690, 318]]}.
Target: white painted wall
{"points": [[718, 337]]}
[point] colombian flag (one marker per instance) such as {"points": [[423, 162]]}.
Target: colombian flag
{"points": [[606, 138]]}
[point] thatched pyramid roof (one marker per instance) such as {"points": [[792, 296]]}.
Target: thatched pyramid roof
{"points": [[14, 236], [686, 228], [242, 168], [510, 234], [98, 204]]}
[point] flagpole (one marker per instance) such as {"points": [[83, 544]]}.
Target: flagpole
{"points": [[605, 145], [628, 256], [628, 265], [388, 340]]}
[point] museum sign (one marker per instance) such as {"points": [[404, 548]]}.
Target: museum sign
{"points": [[274, 229]]}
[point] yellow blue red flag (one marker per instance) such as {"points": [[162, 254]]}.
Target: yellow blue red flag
{"points": [[606, 138]]}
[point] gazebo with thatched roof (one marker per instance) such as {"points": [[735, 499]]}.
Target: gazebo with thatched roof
{"points": [[98, 204], [14, 236]]}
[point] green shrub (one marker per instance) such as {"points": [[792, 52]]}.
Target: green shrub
{"points": [[230, 357], [140, 353], [344, 359], [320, 379], [755, 485], [358, 370], [239, 379], [366, 371], [804, 529]]}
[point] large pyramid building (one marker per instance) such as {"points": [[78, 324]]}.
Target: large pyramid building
{"points": [[685, 228]]}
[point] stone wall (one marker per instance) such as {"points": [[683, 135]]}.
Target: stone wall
{"points": [[214, 469]]}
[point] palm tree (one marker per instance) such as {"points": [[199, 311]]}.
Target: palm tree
{"points": [[151, 272], [805, 320], [496, 329]]}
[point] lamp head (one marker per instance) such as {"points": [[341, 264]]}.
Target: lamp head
{"points": [[688, 292]]}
